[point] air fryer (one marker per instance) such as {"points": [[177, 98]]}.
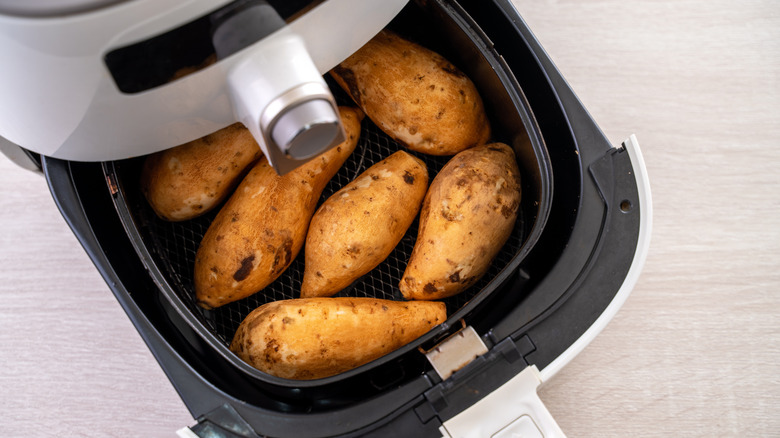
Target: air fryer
{"points": [[573, 257]]}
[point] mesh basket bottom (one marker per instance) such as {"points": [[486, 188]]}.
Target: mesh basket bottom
{"points": [[173, 245]]}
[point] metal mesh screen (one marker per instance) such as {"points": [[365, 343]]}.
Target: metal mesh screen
{"points": [[173, 245]]}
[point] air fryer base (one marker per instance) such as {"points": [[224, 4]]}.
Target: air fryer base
{"points": [[576, 271]]}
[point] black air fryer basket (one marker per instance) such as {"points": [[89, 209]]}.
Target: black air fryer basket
{"points": [[569, 253], [170, 247]]}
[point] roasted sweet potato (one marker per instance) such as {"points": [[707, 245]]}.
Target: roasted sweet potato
{"points": [[189, 180], [261, 228], [414, 95], [311, 338], [467, 216], [357, 227]]}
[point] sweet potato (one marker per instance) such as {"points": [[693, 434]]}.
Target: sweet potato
{"points": [[189, 180], [414, 95], [467, 216], [311, 338], [357, 227], [261, 228]]}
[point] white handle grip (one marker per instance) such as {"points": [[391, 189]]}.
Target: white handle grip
{"points": [[514, 410]]}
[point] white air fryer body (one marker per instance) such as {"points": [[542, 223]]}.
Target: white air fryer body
{"points": [[60, 100]]}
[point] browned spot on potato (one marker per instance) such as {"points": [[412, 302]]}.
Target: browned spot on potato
{"points": [[455, 276], [507, 211], [271, 351], [234, 217], [220, 237], [319, 274], [283, 256], [353, 251], [246, 267], [448, 214], [408, 177], [451, 69], [429, 288], [348, 76], [413, 129], [374, 177], [287, 320]]}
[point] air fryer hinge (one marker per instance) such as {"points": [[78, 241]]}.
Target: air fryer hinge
{"points": [[474, 381], [455, 352]]}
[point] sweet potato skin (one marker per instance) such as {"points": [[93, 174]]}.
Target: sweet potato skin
{"points": [[467, 216], [262, 227], [355, 229], [414, 95], [311, 338], [186, 181]]}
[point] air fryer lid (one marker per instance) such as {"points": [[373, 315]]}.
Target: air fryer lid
{"points": [[168, 249]]}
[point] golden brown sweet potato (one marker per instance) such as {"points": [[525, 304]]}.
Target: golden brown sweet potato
{"points": [[311, 338], [261, 228], [357, 228], [414, 95], [186, 181], [467, 216]]}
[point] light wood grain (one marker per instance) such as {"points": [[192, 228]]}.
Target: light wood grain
{"points": [[694, 351]]}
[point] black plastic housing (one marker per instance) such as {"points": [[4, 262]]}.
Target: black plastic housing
{"points": [[565, 282]]}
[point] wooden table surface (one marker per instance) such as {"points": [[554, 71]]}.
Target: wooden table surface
{"points": [[693, 352]]}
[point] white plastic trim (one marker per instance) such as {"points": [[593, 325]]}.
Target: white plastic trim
{"points": [[512, 410], [186, 432], [640, 255]]}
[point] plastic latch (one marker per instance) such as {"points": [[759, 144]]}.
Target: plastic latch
{"points": [[456, 351], [512, 410]]}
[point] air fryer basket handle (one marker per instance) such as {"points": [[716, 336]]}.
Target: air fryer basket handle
{"points": [[514, 409]]}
